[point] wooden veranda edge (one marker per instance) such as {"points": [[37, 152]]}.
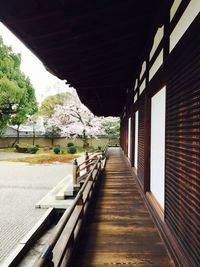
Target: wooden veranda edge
{"points": [[174, 249]]}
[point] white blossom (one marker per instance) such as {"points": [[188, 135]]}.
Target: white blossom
{"points": [[76, 120]]}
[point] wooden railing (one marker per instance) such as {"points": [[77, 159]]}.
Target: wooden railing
{"points": [[80, 171], [58, 250]]}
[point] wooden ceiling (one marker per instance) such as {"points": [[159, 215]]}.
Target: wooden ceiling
{"points": [[96, 45]]}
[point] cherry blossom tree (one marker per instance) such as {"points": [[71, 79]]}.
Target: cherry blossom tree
{"points": [[76, 120]]}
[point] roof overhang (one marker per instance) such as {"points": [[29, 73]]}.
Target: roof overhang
{"points": [[95, 45]]}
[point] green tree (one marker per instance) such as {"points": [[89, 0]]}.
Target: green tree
{"points": [[50, 102], [111, 126], [17, 95], [52, 131], [26, 107], [10, 95]]}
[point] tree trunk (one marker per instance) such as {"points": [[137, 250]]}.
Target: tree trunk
{"points": [[85, 143], [17, 137], [52, 141], [33, 138], [85, 140], [18, 134]]}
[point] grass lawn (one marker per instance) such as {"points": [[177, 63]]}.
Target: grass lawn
{"points": [[45, 159], [45, 156], [42, 156], [10, 149]]}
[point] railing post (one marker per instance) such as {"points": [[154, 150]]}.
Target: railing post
{"points": [[80, 201], [95, 172], [103, 154], [46, 258], [87, 163], [75, 171]]}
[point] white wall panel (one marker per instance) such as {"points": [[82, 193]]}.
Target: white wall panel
{"points": [[135, 98], [158, 113], [174, 8], [129, 138], [157, 39], [136, 84], [142, 86], [143, 69], [156, 65], [185, 21], [136, 140]]}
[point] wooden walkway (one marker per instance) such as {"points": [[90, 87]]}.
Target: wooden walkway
{"points": [[119, 230]]}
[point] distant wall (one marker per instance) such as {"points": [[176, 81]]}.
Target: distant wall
{"points": [[62, 141]]}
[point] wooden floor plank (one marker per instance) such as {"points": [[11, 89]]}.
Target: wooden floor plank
{"points": [[119, 230]]}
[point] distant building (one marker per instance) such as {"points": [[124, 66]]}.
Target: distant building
{"points": [[10, 132], [27, 130], [24, 131]]}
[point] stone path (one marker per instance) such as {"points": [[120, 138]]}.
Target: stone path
{"points": [[21, 186]]}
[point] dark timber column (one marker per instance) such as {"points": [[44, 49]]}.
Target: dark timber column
{"points": [[182, 213], [132, 138], [141, 144], [121, 135], [147, 132]]}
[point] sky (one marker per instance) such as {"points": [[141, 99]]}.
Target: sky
{"points": [[44, 82]]}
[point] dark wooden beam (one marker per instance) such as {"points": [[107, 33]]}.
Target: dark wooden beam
{"points": [[83, 11], [88, 30], [75, 48], [106, 66]]}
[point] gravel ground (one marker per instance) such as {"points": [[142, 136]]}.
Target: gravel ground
{"points": [[13, 155], [21, 186]]}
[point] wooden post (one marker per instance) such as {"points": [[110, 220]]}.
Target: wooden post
{"points": [[80, 201], [46, 258], [147, 143], [86, 158], [75, 171], [95, 172]]}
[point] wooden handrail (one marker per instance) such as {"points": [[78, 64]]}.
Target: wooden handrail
{"points": [[95, 154], [88, 165], [104, 151], [54, 251], [91, 156], [46, 257]]}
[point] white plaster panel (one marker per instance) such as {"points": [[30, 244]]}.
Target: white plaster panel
{"points": [[136, 84], [157, 174], [136, 140], [174, 8], [185, 21], [142, 86], [143, 69], [157, 39], [135, 98], [129, 137], [156, 65]]}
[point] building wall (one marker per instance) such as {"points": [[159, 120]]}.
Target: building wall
{"points": [[140, 164], [173, 61], [46, 142], [182, 212], [10, 132], [157, 146]]}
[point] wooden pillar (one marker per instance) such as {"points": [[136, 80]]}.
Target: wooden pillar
{"points": [[132, 138], [147, 143], [75, 172]]}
